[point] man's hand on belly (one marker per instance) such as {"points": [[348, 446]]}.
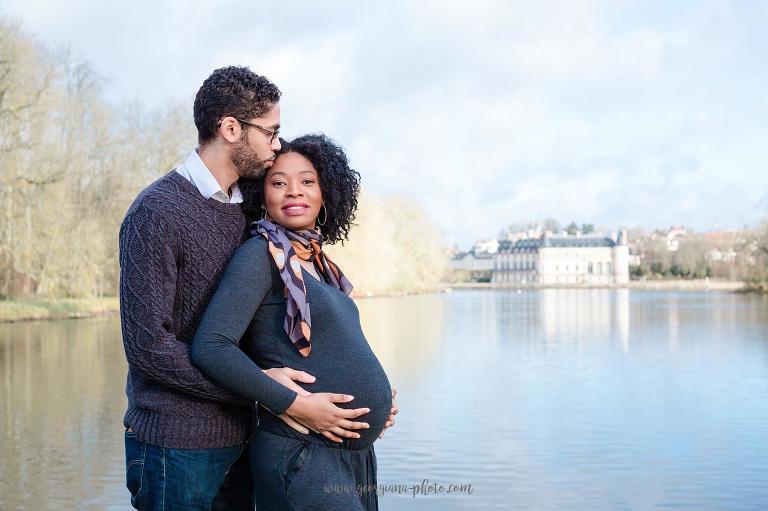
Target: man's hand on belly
{"points": [[287, 376]]}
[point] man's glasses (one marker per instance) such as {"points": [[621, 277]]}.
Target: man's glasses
{"points": [[272, 133]]}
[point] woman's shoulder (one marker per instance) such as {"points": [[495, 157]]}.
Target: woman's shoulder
{"points": [[254, 252], [255, 243]]}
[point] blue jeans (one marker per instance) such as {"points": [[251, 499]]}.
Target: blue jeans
{"points": [[162, 479]]}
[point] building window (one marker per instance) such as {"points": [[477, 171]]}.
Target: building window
{"points": [[599, 268], [608, 268], [589, 268]]}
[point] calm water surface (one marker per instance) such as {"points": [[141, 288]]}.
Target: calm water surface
{"points": [[540, 400]]}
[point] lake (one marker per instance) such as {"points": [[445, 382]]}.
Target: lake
{"points": [[533, 400]]}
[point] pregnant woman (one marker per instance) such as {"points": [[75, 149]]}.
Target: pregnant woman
{"points": [[286, 304]]}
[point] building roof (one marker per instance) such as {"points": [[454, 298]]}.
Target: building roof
{"points": [[584, 241], [534, 244], [472, 253]]}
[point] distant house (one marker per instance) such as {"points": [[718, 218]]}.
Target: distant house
{"points": [[563, 260], [725, 255], [673, 237], [479, 264], [489, 246]]}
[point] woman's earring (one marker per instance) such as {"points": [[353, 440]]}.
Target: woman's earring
{"points": [[325, 215], [263, 214]]}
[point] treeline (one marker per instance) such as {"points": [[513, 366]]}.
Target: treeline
{"points": [[692, 259], [394, 248], [741, 257], [70, 165], [549, 224], [756, 275]]}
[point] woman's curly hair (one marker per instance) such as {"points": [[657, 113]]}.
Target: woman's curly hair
{"points": [[339, 183]]}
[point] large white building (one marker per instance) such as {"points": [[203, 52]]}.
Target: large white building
{"points": [[563, 260]]}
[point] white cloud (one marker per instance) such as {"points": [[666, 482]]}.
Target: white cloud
{"points": [[595, 111]]}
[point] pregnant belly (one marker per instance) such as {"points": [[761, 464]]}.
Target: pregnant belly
{"points": [[370, 387]]}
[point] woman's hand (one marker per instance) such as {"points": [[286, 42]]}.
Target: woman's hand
{"points": [[392, 412], [286, 377], [319, 413]]}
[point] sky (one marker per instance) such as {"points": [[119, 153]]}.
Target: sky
{"points": [[486, 113]]}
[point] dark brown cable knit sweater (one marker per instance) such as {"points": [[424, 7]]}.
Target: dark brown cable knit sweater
{"points": [[174, 246]]}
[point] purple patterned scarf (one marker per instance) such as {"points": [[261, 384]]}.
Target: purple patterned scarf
{"points": [[286, 245]]}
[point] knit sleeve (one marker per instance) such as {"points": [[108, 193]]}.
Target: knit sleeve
{"points": [[245, 284], [148, 275]]}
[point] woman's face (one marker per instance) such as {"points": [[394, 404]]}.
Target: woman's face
{"points": [[292, 192]]}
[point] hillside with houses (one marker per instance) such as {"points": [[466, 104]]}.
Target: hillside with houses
{"points": [[545, 254]]}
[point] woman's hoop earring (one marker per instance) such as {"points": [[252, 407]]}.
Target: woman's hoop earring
{"points": [[325, 217], [263, 214]]}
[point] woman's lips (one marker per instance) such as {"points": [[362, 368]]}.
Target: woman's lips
{"points": [[295, 209]]}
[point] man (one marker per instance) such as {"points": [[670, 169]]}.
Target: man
{"points": [[185, 436]]}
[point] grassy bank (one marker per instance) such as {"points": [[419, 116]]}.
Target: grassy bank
{"points": [[25, 310], [650, 285], [687, 285], [757, 287]]}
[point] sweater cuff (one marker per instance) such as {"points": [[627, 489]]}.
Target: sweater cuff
{"points": [[279, 401]]}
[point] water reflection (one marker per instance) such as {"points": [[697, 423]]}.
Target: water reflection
{"points": [[592, 315], [550, 399], [582, 399], [63, 398], [403, 332]]}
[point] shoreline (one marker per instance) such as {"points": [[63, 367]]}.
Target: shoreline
{"points": [[14, 311], [723, 286]]}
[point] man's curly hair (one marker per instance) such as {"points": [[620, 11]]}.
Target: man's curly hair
{"points": [[231, 91], [339, 184]]}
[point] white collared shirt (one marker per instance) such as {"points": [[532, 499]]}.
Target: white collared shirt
{"points": [[195, 171]]}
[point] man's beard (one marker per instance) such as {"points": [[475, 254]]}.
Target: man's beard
{"points": [[246, 161]]}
